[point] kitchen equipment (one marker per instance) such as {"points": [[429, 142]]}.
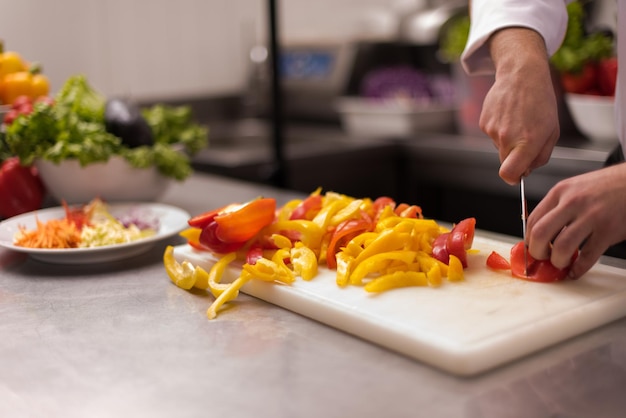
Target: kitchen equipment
{"points": [[312, 75], [464, 328], [524, 218], [424, 26]]}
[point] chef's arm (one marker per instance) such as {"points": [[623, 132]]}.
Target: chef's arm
{"points": [[547, 18]]}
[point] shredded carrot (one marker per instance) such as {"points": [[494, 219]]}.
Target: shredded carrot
{"points": [[55, 233]]}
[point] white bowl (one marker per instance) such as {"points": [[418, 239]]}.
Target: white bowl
{"points": [[374, 118], [113, 181], [594, 116]]}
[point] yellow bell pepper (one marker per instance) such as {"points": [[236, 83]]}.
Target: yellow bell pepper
{"points": [[455, 269], [191, 234], [280, 241], [324, 216], [304, 261], [347, 212], [217, 272], [279, 258], [268, 271], [229, 294], [184, 275], [396, 280], [387, 240], [310, 232], [39, 86], [376, 263], [345, 264], [16, 85]]}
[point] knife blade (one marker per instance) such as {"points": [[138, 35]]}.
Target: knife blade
{"points": [[524, 218]]}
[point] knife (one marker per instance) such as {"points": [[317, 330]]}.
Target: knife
{"points": [[524, 217]]}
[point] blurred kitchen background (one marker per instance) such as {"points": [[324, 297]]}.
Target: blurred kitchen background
{"points": [[418, 142]]}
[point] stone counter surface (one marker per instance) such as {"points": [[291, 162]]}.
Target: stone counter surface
{"points": [[120, 340]]}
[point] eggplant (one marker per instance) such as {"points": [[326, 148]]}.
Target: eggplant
{"points": [[123, 119]]}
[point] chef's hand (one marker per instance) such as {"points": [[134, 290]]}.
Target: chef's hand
{"points": [[520, 111], [586, 212]]}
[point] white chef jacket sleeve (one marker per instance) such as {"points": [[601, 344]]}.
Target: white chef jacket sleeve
{"points": [[547, 17]]}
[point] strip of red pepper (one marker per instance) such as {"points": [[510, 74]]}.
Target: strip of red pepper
{"points": [[21, 189]]}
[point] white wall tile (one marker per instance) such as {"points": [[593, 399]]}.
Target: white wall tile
{"points": [[161, 48]]}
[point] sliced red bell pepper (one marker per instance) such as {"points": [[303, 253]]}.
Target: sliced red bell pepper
{"points": [[440, 252], [461, 238], [344, 232], [210, 240], [496, 261], [456, 242], [538, 270], [308, 208], [239, 223], [202, 220]]}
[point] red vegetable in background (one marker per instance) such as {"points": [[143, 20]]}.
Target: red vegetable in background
{"points": [[21, 189], [607, 76]]}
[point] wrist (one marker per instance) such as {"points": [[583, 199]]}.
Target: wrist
{"points": [[516, 48]]}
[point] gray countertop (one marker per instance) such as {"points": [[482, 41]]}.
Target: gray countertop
{"points": [[120, 340]]}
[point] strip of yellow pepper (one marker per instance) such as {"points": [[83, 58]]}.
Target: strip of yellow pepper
{"points": [[231, 292], [310, 232], [387, 240], [378, 262], [217, 272], [279, 258], [184, 275], [268, 271], [345, 264], [396, 280], [455, 269], [304, 261]]}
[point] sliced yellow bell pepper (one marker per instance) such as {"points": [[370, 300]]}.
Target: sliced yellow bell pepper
{"points": [[397, 280], [268, 271], [304, 261], [345, 264], [279, 258], [231, 292], [387, 240], [455, 269], [181, 274], [347, 212], [192, 234], [310, 232], [280, 241], [377, 262], [217, 272]]}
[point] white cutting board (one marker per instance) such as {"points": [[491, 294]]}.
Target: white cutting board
{"points": [[465, 327]]}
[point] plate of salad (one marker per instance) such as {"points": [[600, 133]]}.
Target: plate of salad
{"points": [[92, 233]]}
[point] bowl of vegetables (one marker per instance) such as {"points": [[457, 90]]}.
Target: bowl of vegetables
{"points": [[86, 146]]}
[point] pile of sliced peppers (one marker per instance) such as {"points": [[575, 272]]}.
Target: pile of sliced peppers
{"points": [[376, 244]]}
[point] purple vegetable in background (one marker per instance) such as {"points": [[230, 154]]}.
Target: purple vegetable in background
{"points": [[405, 82]]}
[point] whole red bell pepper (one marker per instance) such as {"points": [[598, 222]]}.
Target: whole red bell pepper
{"points": [[21, 189]]}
